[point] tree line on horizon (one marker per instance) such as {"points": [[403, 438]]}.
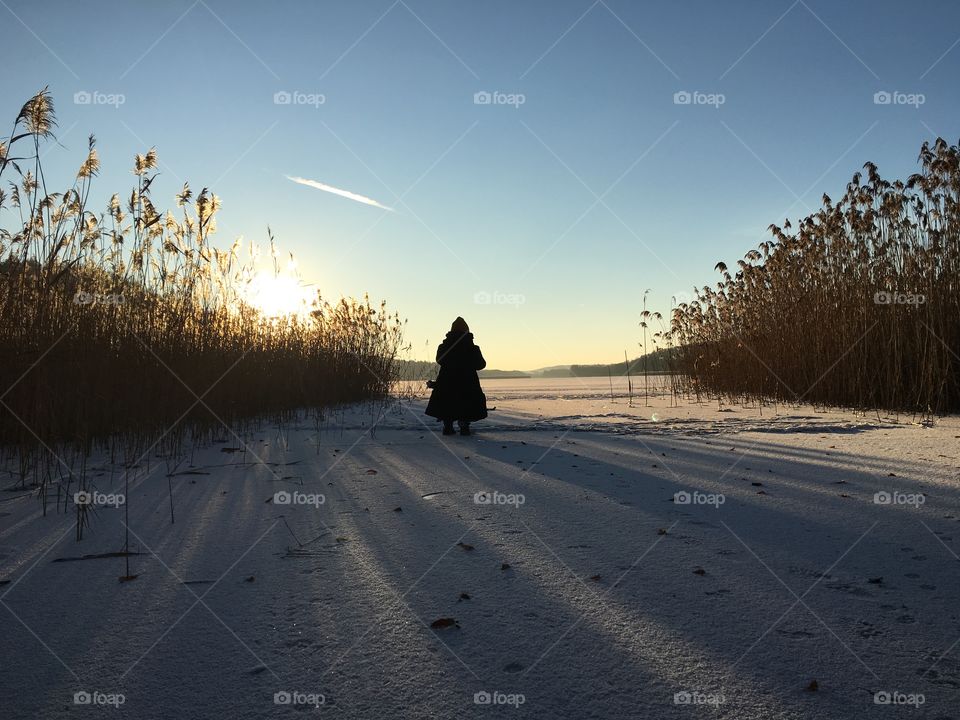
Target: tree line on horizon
{"points": [[657, 362]]}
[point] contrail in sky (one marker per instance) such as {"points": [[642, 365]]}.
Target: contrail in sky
{"points": [[337, 191]]}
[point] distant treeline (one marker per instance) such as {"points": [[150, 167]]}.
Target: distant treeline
{"points": [[656, 363], [427, 370], [859, 306], [653, 363], [417, 370]]}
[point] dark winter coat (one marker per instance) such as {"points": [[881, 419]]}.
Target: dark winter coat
{"points": [[456, 393]]}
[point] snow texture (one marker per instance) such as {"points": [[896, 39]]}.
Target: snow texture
{"points": [[578, 584]]}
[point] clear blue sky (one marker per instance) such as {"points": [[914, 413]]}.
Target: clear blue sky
{"points": [[497, 198]]}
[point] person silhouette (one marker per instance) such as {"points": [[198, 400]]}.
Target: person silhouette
{"points": [[457, 394]]}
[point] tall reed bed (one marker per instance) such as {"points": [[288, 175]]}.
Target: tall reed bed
{"points": [[128, 330], [858, 306]]}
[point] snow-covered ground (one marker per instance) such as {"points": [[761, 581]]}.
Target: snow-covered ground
{"points": [[625, 562]]}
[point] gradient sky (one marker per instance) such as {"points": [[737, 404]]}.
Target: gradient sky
{"points": [[564, 209]]}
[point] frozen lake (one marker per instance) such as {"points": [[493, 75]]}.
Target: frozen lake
{"points": [[576, 557]]}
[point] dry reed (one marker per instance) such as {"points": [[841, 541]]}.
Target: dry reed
{"points": [[858, 307], [128, 331]]}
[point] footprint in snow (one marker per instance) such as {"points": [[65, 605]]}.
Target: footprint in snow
{"points": [[441, 623], [796, 634]]}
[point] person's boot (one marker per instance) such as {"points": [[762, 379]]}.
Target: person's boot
{"points": [[464, 427], [448, 427]]}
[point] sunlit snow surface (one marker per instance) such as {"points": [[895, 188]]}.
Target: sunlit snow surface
{"points": [[597, 558]]}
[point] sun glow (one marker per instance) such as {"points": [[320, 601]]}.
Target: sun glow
{"points": [[277, 295]]}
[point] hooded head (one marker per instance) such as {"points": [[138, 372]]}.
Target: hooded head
{"points": [[460, 325]]}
